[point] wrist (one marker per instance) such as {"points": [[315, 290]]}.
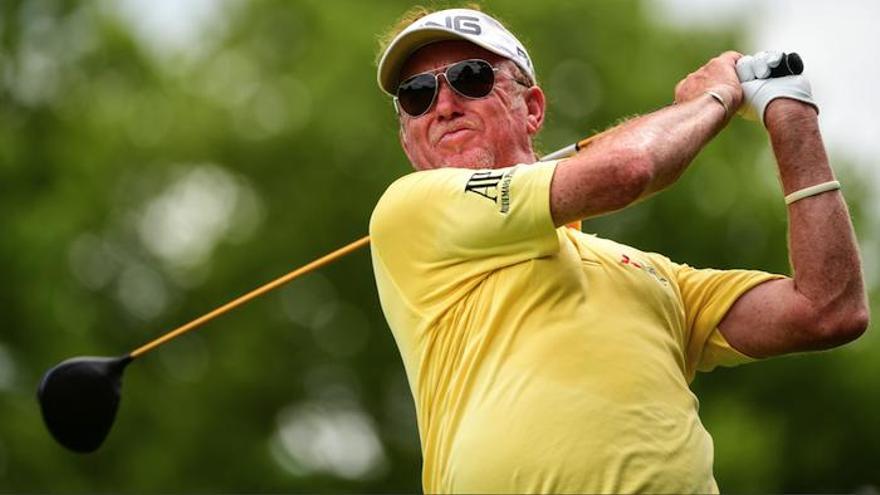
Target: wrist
{"points": [[721, 101], [786, 111], [732, 96], [794, 132]]}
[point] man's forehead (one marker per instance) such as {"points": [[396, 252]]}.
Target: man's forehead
{"points": [[444, 53]]}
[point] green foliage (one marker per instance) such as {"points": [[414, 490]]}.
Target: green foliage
{"points": [[140, 188]]}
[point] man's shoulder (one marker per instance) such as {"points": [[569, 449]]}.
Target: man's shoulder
{"points": [[408, 200], [403, 195], [416, 187], [404, 186]]}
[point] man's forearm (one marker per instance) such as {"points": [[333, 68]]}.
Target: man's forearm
{"points": [[822, 246], [633, 160], [678, 135]]}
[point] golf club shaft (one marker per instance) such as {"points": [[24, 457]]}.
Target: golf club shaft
{"points": [[324, 260], [250, 295]]}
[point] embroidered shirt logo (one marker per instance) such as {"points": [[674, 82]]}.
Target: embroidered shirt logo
{"points": [[650, 270], [493, 185]]}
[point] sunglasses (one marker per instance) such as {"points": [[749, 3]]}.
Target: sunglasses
{"points": [[472, 79]]}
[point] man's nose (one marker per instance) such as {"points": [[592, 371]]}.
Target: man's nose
{"points": [[449, 102]]}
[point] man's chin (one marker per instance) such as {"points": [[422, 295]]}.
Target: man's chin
{"points": [[470, 158]]}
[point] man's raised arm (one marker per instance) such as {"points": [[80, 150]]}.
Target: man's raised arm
{"points": [[824, 304], [647, 153]]}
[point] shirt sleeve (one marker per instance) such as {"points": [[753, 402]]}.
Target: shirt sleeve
{"points": [[707, 295], [436, 229]]}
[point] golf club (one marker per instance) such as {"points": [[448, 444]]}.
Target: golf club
{"points": [[79, 397]]}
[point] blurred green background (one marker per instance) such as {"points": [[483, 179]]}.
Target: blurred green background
{"points": [[142, 184]]}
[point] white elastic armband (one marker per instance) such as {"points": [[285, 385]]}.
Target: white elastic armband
{"points": [[806, 192]]}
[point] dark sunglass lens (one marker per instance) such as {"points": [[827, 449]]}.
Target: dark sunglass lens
{"points": [[417, 93], [471, 78]]}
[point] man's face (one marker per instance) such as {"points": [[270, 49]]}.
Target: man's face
{"points": [[490, 132]]}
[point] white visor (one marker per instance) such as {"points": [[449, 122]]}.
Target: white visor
{"points": [[451, 24]]}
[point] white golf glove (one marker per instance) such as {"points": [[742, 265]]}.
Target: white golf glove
{"points": [[759, 89]]}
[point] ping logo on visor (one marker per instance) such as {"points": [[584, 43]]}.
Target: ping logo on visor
{"points": [[451, 24], [466, 24]]}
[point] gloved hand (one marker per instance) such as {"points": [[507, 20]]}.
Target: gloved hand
{"points": [[759, 90]]}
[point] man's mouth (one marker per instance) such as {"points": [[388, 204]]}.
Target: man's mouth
{"points": [[454, 135]]}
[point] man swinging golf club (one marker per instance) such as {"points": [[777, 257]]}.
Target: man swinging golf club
{"points": [[542, 359]]}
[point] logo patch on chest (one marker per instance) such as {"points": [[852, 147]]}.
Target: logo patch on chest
{"points": [[650, 270]]}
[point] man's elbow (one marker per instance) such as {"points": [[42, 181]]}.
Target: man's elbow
{"points": [[857, 324], [844, 327]]}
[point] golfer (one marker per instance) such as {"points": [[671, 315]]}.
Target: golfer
{"points": [[543, 359]]}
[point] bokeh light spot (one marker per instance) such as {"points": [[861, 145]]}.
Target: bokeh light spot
{"points": [[324, 438]]}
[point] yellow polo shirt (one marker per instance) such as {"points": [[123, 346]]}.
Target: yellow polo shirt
{"points": [[544, 359]]}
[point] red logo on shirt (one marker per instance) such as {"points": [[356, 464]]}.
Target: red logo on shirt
{"points": [[626, 260]]}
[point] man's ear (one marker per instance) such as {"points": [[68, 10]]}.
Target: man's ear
{"points": [[535, 106], [401, 134]]}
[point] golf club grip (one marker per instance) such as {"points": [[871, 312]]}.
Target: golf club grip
{"points": [[791, 65]]}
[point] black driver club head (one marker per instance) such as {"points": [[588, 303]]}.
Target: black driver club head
{"points": [[79, 398]]}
